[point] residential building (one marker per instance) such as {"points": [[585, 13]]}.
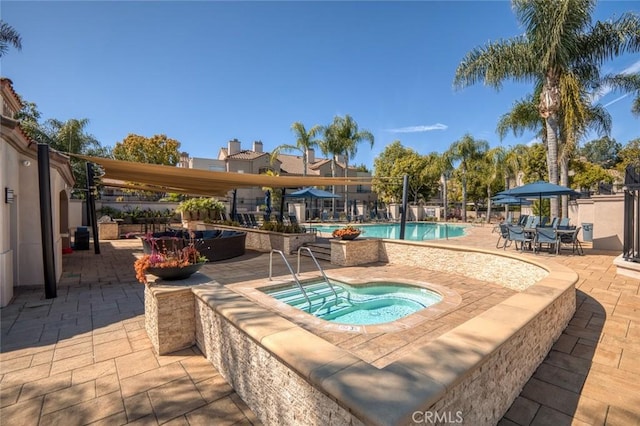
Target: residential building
{"points": [[233, 158]]}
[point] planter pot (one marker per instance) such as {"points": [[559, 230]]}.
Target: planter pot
{"points": [[350, 237], [171, 274]]}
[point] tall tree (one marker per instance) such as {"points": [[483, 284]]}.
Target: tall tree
{"points": [[444, 167], [630, 154], [68, 136], [8, 36], [603, 152], [493, 172], [559, 47], [465, 150], [304, 141], [158, 149], [347, 136], [387, 185]]}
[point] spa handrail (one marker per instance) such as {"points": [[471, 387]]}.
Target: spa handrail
{"points": [[326, 280], [295, 278]]}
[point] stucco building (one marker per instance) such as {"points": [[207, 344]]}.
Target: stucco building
{"points": [[232, 158], [21, 258]]}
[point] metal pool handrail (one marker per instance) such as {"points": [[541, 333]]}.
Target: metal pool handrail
{"points": [[319, 269], [295, 278]]}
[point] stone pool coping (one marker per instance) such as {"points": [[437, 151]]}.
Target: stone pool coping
{"points": [[254, 290], [431, 377]]}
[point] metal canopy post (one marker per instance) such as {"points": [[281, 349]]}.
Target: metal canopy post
{"points": [[405, 198], [282, 205], [91, 204], [46, 221]]}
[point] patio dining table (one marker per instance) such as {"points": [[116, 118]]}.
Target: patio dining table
{"points": [[559, 233]]}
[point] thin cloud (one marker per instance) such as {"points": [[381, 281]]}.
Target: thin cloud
{"points": [[631, 69], [418, 129], [619, 98]]}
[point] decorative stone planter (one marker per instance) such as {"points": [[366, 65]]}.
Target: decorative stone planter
{"points": [[354, 252], [108, 231]]}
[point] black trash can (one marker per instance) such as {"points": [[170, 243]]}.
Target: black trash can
{"points": [[587, 231], [81, 239]]}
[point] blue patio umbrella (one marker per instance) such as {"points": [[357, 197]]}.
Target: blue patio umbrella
{"points": [[539, 190], [312, 193], [510, 200]]}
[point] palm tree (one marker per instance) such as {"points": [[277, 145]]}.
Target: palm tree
{"points": [[348, 136], [304, 141], [494, 161], [444, 167], [71, 136], [559, 49], [465, 150], [331, 146], [8, 36]]}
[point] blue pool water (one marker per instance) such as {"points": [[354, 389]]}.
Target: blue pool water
{"points": [[357, 305], [414, 231]]}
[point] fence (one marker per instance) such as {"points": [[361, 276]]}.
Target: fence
{"points": [[631, 243]]}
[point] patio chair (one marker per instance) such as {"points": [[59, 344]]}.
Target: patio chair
{"points": [[554, 223], [564, 223], [517, 234], [571, 239], [523, 220], [545, 236], [543, 221], [503, 239]]}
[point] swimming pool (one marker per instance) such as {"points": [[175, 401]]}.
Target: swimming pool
{"points": [[414, 231], [373, 303]]}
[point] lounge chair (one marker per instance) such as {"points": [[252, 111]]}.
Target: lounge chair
{"points": [[253, 221], [517, 234], [240, 219], [545, 236]]}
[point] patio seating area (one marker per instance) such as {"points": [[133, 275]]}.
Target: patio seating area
{"points": [[85, 357]]}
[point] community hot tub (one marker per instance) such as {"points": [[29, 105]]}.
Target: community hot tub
{"points": [[353, 306], [288, 372]]}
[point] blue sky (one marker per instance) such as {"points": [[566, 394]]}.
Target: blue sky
{"points": [[206, 72]]}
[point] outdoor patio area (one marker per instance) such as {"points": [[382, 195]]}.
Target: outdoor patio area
{"points": [[85, 358]]}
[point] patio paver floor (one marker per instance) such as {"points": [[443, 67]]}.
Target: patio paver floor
{"points": [[84, 357]]}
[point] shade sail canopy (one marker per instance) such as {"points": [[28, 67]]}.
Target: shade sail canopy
{"points": [[155, 177], [312, 193]]}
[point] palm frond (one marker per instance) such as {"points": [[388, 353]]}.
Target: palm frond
{"points": [[496, 62]]}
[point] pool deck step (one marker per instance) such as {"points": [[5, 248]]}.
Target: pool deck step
{"points": [[321, 250]]}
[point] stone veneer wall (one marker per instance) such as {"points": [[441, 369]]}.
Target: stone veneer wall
{"points": [[485, 393], [274, 391], [266, 241], [505, 270], [169, 314]]}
